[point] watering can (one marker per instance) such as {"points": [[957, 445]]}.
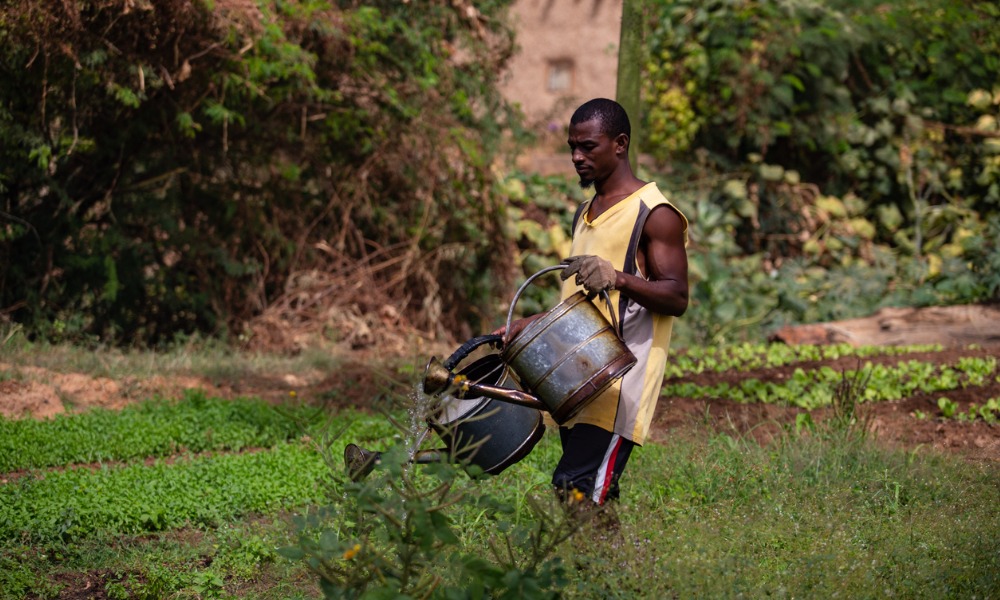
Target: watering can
{"points": [[488, 433], [486, 416], [566, 358]]}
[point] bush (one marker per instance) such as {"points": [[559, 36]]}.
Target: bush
{"points": [[183, 166]]}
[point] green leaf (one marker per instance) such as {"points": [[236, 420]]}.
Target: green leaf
{"points": [[794, 81]]}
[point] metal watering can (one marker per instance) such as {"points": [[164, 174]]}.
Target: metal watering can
{"points": [[566, 358], [484, 432], [486, 416]]}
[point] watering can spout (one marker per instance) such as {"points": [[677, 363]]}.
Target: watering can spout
{"points": [[438, 379]]}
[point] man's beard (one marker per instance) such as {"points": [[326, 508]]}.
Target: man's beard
{"points": [[586, 183]]}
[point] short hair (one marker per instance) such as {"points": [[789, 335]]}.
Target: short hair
{"points": [[610, 114]]}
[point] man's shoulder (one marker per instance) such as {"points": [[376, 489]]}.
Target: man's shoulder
{"points": [[652, 196], [663, 214]]}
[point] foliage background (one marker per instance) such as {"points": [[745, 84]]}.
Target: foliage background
{"points": [[270, 172], [230, 167], [835, 156]]}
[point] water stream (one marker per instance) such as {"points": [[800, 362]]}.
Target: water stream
{"points": [[419, 408]]}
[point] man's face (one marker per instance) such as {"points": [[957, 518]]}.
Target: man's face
{"points": [[593, 152]]}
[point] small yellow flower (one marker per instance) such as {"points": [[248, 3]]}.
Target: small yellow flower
{"points": [[578, 496], [292, 394], [352, 552]]}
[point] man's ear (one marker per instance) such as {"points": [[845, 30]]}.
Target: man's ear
{"points": [[621, 144]]}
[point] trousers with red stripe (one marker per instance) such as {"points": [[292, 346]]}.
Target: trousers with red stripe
{"points": [[592, 462]]}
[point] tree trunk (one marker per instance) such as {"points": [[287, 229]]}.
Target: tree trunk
{"points": [[631, 59], [946, 325]]}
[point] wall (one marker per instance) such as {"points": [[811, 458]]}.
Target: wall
{"points": [[568, 53]]}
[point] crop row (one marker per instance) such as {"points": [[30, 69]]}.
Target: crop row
{"points": [[153, 428], [744, 356], [816, 388], [207, 490], [988, 412]]}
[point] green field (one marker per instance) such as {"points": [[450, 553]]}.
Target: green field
{"points": [[199, 497]]}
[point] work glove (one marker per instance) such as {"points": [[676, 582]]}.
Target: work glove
{"points": [[594, 273]]}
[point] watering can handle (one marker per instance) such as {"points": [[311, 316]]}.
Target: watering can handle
{"points": [[467, 348], [559, 267]]}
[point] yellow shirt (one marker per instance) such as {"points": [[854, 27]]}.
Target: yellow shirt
{"points": [[627, 406]]}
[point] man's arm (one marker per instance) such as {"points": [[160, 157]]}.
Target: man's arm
{"points": [[666, 265]]}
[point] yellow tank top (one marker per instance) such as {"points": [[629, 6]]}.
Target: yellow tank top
{"points": [[627, 406]]}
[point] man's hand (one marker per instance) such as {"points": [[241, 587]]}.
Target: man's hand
{"points": [[515, 328], [594, 273]]}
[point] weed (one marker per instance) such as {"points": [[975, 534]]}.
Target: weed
{"points": [[847, 398], [16, 576], [394, 534], [209, 358], [816, 516], [243, 554], [160, 582], [207, 584], [11, 334], [115, 590]]}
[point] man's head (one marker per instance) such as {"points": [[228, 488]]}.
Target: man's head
{"points": [[598, 139], [612, 117]]}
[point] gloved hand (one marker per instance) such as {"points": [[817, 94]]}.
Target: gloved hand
{"points": [[594, 273]]}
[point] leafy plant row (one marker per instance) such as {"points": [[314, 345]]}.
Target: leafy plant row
{"points": [[698, 359], [196, 423], [138, 498], [989, 411], [815, 388]]}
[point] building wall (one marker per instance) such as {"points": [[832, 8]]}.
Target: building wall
{"points": [[568, 54]]}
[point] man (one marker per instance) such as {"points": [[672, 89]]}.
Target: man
{"points": [[629, 240]]}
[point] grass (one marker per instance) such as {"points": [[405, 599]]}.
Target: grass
{"points": [[169, 564], [704, 515], [208, 358], [816, 517]]}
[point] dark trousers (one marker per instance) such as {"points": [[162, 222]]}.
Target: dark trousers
{"points": [[592, 462]]}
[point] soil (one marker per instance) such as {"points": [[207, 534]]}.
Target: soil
{"points": [[892, 423], [32, 392]]}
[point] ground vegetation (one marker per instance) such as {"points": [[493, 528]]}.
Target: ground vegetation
{"points": [[236, 486]]}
